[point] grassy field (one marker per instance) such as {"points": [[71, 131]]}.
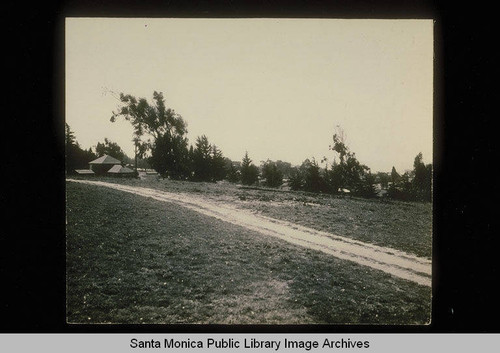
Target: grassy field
{"points": [[136, 260], [405, 226]]}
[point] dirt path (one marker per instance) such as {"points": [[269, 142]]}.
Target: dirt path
{"points": [[394, 262]]}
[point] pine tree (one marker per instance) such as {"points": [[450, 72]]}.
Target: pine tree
{"points": [[217, 167], [202, 159], [273, 176], [249, 172]]}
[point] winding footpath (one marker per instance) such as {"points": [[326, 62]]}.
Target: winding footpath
{"points": [[394, 262]]}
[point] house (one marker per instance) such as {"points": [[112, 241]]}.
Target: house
{"points": [[102, 165]]}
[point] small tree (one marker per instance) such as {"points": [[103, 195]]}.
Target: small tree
{"points": [[296, 179], [333, 178], [395, 177], [217, 165], [354, 174], [383, 179], [284, 167], [76, 157], [273, 176], [406, 187], [367, 188], [70, 146], [422, 179], [313, 180], [232, 172], [249, 172], [202, 159], [190, 162], [393, 190]]}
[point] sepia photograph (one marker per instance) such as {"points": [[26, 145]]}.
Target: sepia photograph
{"points": [[250, 171]]}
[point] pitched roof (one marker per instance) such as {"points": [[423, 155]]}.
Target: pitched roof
{"points": [[105, 159], [118, 169]]}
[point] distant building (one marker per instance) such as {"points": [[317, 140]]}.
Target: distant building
{"points": [[106, 165], [102, 165]]}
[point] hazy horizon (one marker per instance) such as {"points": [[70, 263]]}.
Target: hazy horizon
{"points": [[276, 88]]}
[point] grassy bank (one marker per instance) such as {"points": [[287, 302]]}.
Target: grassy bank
{"points": [[136, 260]]}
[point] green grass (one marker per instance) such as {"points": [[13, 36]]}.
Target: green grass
{"points": [[136, 260]]}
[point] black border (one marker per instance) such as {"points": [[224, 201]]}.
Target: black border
{"points": [[33, 271]]}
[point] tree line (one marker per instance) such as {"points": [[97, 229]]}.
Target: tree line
{"points": [[160, 142], [348, 175]]}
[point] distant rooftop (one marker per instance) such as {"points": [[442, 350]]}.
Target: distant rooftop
{"points": [[118, 169], [105, 159]]}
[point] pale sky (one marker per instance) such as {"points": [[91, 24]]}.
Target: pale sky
{"points": [[273, 87]]}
